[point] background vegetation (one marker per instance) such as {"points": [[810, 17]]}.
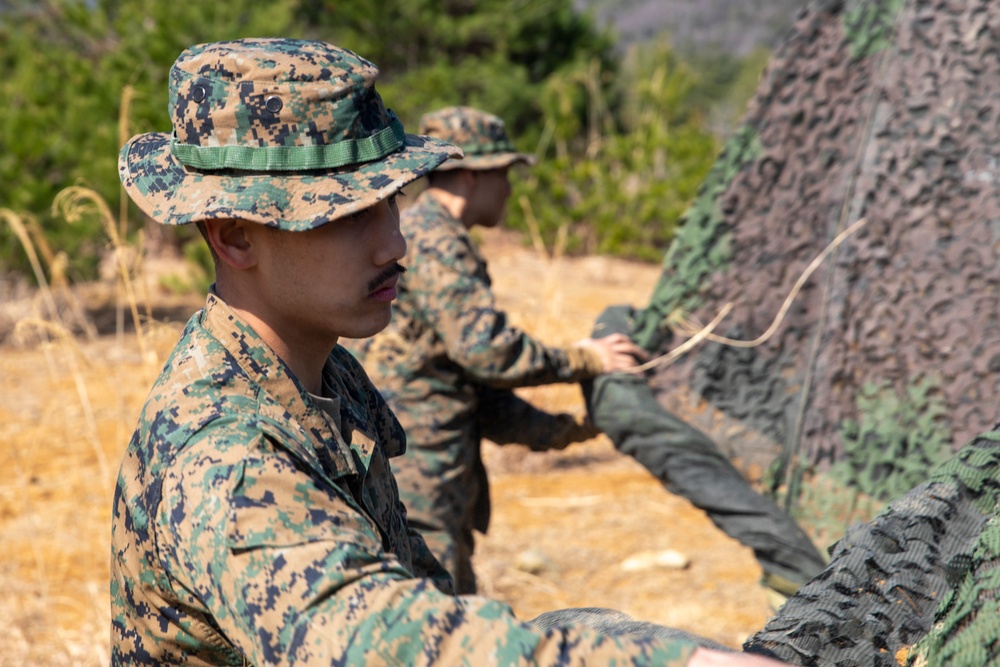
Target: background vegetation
{"points": [[624, 135]]}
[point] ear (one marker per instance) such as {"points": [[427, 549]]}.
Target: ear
{"points": [[231, 241], [468, 179]]}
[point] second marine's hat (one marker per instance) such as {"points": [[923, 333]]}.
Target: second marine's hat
{"points": [[481, 136], [282, 132]]}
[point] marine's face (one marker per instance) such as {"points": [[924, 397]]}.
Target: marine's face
{"points": [[336, 280]]}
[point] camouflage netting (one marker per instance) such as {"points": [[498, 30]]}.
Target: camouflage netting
{"points": [[927, 561], [882, 109], [889, 359], [965, 628]]}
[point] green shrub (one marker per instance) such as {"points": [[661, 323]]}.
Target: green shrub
{"points": [[620, 176], [623, 141]]}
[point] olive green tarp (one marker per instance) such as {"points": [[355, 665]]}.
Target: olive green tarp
{"points": [[689, 464]]}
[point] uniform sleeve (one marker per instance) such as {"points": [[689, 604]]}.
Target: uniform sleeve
{"points": [[506, 418], [453, 290], [424, 563], [292, 573]]}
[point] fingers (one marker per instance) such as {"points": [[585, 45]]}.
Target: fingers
{"points": [[616, 352], [703, 657], [621, 352], [622, 344]]}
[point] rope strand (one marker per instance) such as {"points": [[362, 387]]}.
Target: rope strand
{"points": [[696, 332]]}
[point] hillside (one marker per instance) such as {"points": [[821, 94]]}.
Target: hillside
{"points": [[735, 27]]}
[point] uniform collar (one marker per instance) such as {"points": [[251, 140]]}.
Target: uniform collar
{"points": [[282, 398], [359, 428]]}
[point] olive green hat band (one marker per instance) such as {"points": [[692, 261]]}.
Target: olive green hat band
{"points": [[293, 158], [488, 147]]}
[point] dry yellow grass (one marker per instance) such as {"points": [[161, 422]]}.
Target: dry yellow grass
{"points": [[61, 455], [68, 407]]}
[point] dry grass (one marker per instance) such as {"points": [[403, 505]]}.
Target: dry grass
{"points": [[61, 456], [68, 405]]}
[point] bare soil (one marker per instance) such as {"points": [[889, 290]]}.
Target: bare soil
{"points": [[567, 526]]}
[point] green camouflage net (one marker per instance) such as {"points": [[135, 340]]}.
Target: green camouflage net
{"points": [[921, 565], [700, 248], [965, 628], [886, 452], [870, 27], [896, 441], [886, 110]]}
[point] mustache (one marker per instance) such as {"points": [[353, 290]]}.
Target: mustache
{"points": [[396, 269]]}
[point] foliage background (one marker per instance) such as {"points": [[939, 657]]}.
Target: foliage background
{"points": [[624, 134]]}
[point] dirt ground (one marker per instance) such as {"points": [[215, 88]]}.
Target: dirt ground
{"points": [[583, 527]]}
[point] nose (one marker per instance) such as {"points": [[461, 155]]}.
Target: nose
{"points": [[389, 244]]}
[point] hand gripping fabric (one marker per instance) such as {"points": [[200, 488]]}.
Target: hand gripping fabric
{"points": [[689, 464]]}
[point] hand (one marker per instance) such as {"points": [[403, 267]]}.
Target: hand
{"points": [[703, 657], [616, 351]]}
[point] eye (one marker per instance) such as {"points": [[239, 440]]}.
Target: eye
{"points": [[391, 200], [359, 215]]}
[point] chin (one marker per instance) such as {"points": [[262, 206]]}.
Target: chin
{"points": [[369, 327]]}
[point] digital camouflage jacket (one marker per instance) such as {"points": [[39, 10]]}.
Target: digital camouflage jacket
{"points": [[446, 365], [249, 527]]}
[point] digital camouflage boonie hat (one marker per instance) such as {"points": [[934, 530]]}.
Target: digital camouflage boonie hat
{"points": [[286, 133], [481, 136]]}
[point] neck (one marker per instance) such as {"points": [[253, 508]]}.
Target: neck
{"points": [[301, 353], [453, 202]]}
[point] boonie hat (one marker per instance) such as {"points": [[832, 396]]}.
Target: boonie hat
{"points": [[481, 136], [282, 132]]}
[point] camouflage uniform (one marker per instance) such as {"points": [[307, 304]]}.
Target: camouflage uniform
{"points": [[254, 522], [449, 358], [251, 524]]}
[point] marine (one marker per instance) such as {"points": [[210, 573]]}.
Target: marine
{"points": [[448, 362]]}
